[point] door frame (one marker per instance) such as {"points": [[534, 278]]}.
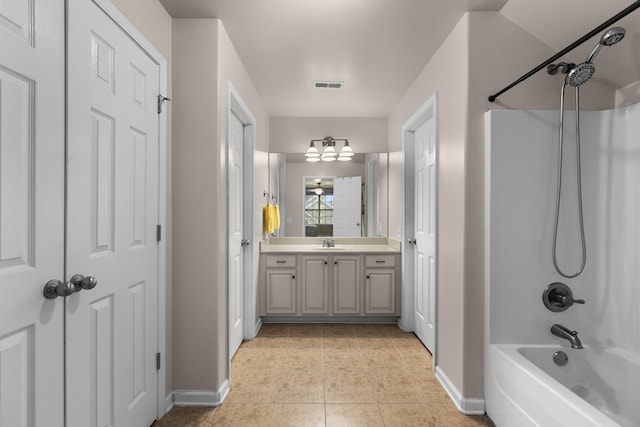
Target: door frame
{"points": [[165, 400], [237, 107], [426, 111]]}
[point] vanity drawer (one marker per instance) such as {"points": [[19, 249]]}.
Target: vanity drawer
{"points": [[380, 261], [281, 260]]}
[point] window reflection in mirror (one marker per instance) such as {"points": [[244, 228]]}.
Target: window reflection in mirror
{"points": [[318, 207]]}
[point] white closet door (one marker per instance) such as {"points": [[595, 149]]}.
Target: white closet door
{"points": [[236, 232], [31, 212], [112, 205], [425, 232]]}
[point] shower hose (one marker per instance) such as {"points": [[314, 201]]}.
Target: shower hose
{"points": [[559, 189]]}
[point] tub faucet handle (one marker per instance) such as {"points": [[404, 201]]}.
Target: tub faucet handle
{"points": [[567, 300], [558, 297]]}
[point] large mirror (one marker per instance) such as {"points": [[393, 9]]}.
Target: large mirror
{"points": [[332, 199]]}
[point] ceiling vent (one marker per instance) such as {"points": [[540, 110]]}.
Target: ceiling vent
{"points": [[328, 85]]}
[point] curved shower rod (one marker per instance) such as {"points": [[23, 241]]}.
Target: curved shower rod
{"points": [[569, 48]]}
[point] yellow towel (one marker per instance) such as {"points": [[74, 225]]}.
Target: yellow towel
{"points": [[276, 217], [268, 219]]}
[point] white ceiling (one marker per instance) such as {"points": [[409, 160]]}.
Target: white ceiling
{"points": [[378, 47]]}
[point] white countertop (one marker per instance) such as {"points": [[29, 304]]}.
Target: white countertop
{"points": [[343, 245]]}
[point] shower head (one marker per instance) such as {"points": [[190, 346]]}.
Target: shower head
{"points": [[580, 74], [610, 37]]}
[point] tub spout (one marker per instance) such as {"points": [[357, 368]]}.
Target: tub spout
{"points": [[563, 332]]}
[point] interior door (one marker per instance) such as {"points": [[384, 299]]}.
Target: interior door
{"points": [[112, 215], [31, 212], [425, 232], [236, 232], [347, 206]]}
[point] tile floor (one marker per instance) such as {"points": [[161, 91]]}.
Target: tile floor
{"points": [[330, 375]]}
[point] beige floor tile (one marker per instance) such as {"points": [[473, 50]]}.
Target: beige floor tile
{"points": [[266, 343], [274, 330], [340, 344], [394, 330], [355, 374], [394, 393], [347, 379], [288, 393], [409, 345], [368, 330], [297, 415], [241, 415], [383, 360], [409, 415], [353, 415], [196, 416], [250, 393], [305, 343], [382, 344], [338, 330], [344, 362], [300, 378], [305, 330], [344, 394], [301, 361]]}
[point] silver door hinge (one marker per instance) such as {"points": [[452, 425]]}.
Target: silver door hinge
{"points": [[161, 100], [157, 361], [158, 233]]}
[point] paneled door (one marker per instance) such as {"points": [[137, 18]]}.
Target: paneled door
{"points": [[31, 212], [112, 215], [425, 231], [236, 232], [347, 206]]}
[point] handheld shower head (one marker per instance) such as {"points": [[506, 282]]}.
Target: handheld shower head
{"points": [[610, 37], [582, 73]]}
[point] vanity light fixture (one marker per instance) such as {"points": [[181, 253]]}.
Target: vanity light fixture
{"points": [[329, 153]]}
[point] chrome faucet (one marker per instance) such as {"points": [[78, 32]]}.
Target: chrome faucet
{"points": [[562, 332], [329, 243]]}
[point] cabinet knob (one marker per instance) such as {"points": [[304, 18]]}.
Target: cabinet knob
{"points": [[368, 277], [293, 276], [335, 262], [326, 262]]}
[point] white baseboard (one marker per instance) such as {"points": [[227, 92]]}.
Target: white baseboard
{"points": [[201, 398], [168, 403], [258, 327], [465, 405]]}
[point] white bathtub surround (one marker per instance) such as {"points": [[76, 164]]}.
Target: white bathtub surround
{"points": [[521, 152]]}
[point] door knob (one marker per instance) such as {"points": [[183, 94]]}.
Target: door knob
{"points": [[245, 242], [56, 288], [411, 241], [81, 282]]}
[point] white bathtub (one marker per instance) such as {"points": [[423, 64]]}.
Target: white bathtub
{"points": [[524, 387]]}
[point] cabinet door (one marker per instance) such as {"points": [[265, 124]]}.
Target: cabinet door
{"points": [[346, 284], [315, 284], [380, 293], [281, 291]]}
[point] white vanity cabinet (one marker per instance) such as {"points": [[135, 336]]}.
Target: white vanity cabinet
{"points": [[345, 285], [380, 284], [314, 284], [280, 285]]}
